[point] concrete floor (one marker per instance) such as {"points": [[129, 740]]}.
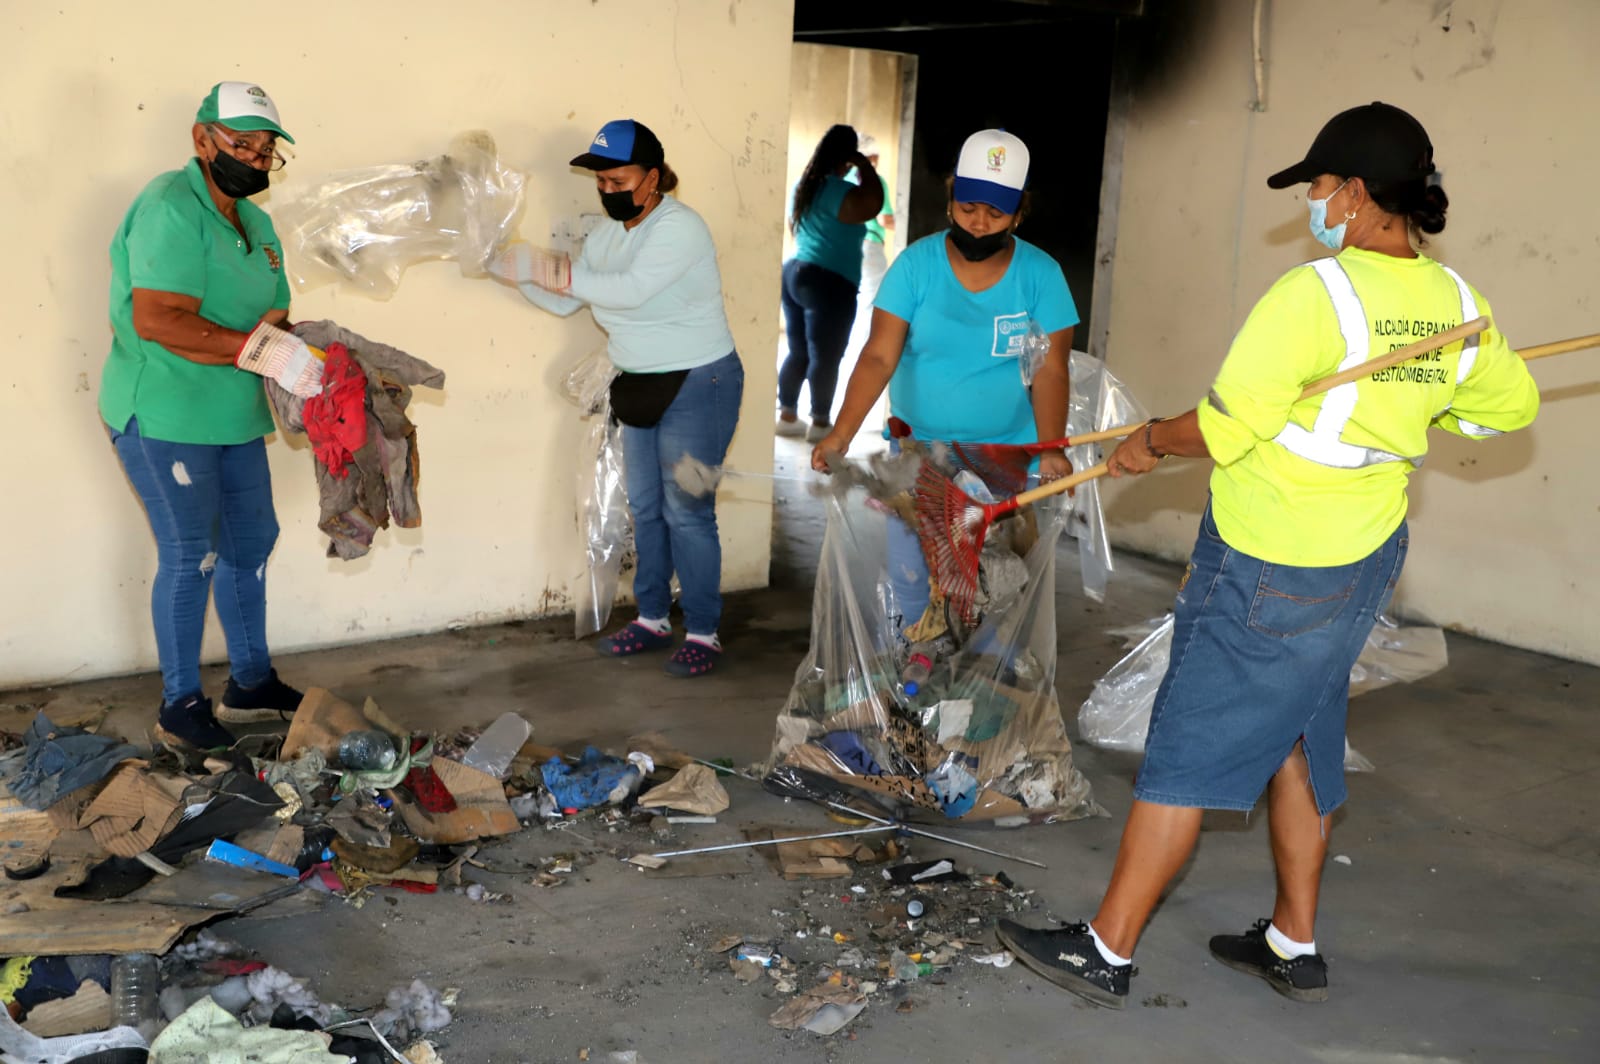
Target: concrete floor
{"points": [[1462, 928]]}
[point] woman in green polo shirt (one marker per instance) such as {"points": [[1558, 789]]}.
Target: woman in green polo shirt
{"points": [[196, 271]]}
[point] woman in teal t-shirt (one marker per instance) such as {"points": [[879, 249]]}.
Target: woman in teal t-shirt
{"points": [[828, 220], [949, 324]]}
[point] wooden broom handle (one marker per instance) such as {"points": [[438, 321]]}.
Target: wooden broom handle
{"points": [[1372, 365], [1393, 358], [1055, 487], [1560, 347]]}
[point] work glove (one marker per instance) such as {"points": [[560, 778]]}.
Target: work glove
{"points": [[522, 263], [282, 356]]}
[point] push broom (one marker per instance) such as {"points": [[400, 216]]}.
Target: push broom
{"points": [[952, 525]]}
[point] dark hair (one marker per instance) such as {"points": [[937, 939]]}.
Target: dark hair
{"points": [[836, 148], [1421, 204], [668, 179]]}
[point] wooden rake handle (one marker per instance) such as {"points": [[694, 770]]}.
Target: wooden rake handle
{"points": [[1393, 358]]}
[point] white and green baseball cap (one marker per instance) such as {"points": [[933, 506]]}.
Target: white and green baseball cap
{"points": [[243, 106]]}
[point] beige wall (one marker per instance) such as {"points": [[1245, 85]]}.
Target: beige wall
{"points": [[96, 98], [1503, 532]]}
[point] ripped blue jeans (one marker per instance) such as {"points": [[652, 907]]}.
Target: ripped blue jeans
{"points": [[210, 508]]}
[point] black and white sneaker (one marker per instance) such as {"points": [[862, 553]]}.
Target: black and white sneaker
{"points": [[1069, 958], [1298, 979], [269, 700], [190, 723]]}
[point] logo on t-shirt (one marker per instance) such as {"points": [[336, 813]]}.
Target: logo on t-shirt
{"points": [[1010, 334], [272, 257]]}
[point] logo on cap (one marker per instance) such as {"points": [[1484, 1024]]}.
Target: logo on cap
{"points": [[255, 90], [997, 159], [600, 140]]}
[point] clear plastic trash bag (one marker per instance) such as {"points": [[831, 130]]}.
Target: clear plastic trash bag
{"points": [[1116, 715], [602, 497], [362, 228], [924, 717], [1098, 401]]}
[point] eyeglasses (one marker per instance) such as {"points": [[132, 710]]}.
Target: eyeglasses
{"points": [[266, 148]]}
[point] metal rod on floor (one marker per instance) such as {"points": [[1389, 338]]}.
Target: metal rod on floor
{"points": [[774, 842], [723, 768], [902, 826]]}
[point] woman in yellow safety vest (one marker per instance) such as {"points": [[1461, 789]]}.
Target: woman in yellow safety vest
{"points": [[1299, 549]]}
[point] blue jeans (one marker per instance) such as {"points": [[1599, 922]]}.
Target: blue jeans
{"points": [[673, 530], [210, 508], [1261, 657], [819, 307]]}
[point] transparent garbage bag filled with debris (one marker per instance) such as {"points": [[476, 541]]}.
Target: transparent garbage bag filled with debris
{"points": [[602, 495], [362, 228], [927, 717], [1116, 715]]}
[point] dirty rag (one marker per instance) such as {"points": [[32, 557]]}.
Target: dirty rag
{"points": [[353, 508], [19, 1047], [595, 780], [207, 1033], [336, 420], [59, 761]]}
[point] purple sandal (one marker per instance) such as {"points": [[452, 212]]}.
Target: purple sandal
{"points": [[632, 638], [693, 658]]}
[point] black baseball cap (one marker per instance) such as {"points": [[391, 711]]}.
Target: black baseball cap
{"points": [[622, 142], [1376, 142]]}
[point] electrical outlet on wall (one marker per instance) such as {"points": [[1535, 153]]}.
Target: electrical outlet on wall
{"points": [[567, 233]]}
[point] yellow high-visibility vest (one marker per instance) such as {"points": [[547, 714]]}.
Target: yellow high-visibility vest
{"points": [[1322, 481]]}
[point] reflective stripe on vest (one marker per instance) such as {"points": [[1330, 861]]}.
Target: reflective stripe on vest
{"points": [[1321, 442], [1469, 354]]}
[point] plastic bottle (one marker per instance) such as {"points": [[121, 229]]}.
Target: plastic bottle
{"points": [[367, 751], [918, 667], [495, 748], [904, 968], [136, 993]]}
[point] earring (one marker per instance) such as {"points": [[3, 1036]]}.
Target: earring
{"points": [[1349, 216]]}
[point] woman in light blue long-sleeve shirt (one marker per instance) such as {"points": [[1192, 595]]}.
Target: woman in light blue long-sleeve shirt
{"points": [[649, 275]]}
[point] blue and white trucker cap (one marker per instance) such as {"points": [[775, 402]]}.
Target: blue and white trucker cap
{"points": [[620, 143], [992, 169]]}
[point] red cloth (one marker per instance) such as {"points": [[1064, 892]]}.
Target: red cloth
{"points": [[426, 786], [336, 420]]}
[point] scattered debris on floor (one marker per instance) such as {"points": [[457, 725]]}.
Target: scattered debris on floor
{"points": [[349, 807]]}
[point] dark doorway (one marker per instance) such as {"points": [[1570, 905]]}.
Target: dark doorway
{"points": [[1039, 70]]}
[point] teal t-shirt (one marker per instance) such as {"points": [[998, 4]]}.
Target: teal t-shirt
{"points": [[821, 238], [958, 377], [175, 239]]}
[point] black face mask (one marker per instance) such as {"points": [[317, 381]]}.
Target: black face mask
{"points": [[620, 206], [235, 179], [977, 248]]}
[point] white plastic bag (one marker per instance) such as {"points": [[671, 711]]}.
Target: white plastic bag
{"points": [[602, 497], [1116, 715]]}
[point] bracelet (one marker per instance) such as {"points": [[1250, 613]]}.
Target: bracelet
{"points": [[1149, 446]]}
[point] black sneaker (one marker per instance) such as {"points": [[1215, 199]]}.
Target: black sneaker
{"points": [[190, 723], [1069, 958], [1298, 979], [269, 700]]}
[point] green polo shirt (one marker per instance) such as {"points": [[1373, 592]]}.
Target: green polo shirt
{"points": [[174, 239]]}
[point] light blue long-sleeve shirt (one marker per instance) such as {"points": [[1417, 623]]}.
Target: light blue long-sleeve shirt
{"points": [[654, 289]]}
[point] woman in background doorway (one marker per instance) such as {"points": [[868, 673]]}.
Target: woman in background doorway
{"points": [[828, 220]]}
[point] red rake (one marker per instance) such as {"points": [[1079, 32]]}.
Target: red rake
{"points": [[952, 526], [1004, 466]]}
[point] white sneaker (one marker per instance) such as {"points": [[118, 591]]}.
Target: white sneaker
{"points": [[817, 432], [791, 428]]}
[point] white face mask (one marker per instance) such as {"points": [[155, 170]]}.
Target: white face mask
{"points": [[1330, 238]]}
